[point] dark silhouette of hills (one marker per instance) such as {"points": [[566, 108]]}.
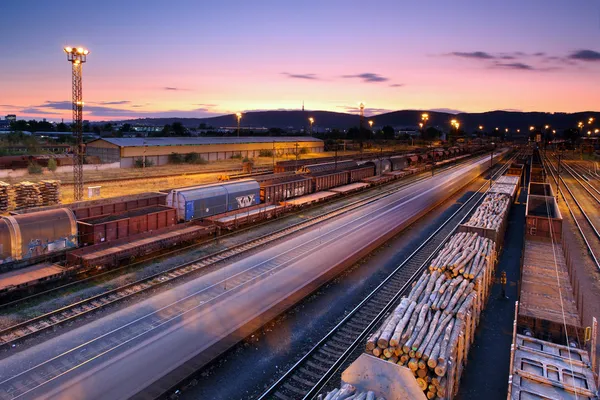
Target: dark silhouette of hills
{"points": [[406, 118]]}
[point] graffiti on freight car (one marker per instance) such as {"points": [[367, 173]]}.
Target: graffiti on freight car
{"points": [[245, 201], [296, 192]]}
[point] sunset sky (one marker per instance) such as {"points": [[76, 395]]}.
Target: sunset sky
{"points": [[201, 58]]}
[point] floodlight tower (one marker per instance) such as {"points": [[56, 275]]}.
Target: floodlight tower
{"points": [[362, 116], [77, 56]]}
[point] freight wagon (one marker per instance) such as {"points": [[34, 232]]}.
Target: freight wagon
{"points": [[399, 162], [280, 189], [360, 173], [331, 166], [117, 226], [203, 201], [32, 235], [328, 179], [111, 254]]}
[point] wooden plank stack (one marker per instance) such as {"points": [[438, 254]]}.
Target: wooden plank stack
{"points": [[50, 192], [349, 392], [27, 194], [491, 212], [431, 330], [4, 196]]}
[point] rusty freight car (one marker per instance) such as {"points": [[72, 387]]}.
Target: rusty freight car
{"points": [[110, 227], [328, 179], [282, 188]]}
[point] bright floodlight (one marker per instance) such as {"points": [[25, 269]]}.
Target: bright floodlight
{"points": [[76, 55]]}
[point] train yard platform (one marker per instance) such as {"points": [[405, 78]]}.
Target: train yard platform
{"points": [[29, 275], [350, 188]]}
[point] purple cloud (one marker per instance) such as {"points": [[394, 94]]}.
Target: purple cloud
{"points": [[585, 55], [368, 77], [311, 77]]}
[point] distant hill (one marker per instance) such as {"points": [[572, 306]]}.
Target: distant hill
{"points": [[405, 118]]}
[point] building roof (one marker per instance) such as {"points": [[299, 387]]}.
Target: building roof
{"points": [[199, 141]]}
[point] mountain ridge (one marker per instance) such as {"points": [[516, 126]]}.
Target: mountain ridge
{"points": [[490, 120]]}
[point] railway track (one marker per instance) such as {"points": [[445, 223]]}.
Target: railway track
{"points": [[114, 272], [313, 371], [50, 320], [33, 377], [585, 224]]}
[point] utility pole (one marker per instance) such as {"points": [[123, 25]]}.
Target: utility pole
{"points": [[336, 150], [432, 159], [77, 56], [558, 178], [296, 146], [273, 154], [491, 164]]}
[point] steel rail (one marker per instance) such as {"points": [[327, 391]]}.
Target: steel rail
{"points": [[579, 228]]}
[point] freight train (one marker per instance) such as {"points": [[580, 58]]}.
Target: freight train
{"points": [[33, 234]]}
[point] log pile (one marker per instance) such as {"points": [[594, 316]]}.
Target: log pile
{"points": [[50, 192], [491, 212], [431, 330], [27, 194], [465, 254], [349, 392], [4, 199]]}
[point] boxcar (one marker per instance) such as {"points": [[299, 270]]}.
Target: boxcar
{"points": [[284, 188], [357, 174], [206, 200], [328, 179]]}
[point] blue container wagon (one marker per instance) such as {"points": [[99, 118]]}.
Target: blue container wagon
{"points": [[206, 200]]}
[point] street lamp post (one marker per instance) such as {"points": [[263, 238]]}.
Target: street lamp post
{"points": [[239, 117], [312, 121], [492, 162]]}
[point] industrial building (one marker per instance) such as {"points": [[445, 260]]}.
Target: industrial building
{"points": [[157, 150]]}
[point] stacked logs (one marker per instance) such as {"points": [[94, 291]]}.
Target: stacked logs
{"points": [[27, 194], [431, 330], [349, 392], [464, 254], [490, 212], [50, 192], [4, 199]]}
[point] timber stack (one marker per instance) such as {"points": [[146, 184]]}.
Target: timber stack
{"points": [[4, 199], [491, 212], [27, 194], [50, 192], [431, 330], [349, 392]]}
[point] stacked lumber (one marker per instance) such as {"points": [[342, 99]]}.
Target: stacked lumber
{"points": [[465, 254], [4, 199], [431, 330], [349, 392], [50, 192], [491, 212], [27, 194]]}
